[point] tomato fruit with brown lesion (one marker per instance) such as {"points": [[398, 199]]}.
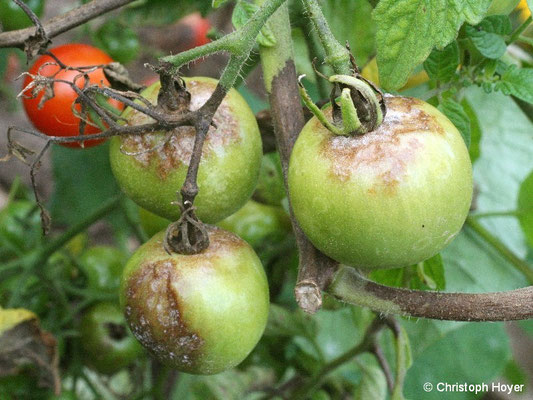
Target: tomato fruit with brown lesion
{"points": [[200, 313], [228, 169], [389, 198]]}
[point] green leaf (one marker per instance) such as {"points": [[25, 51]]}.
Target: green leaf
{"points": [[282, 322], [527, 326], [525, 207], [242, 13], [373, 383], [457, 357], [475, 131], [488, 35], [454, 111], [517, 82], [407, 31], [442, 64]]}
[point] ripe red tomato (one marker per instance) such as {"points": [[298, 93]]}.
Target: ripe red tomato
{"points": [[199, 26], [55, 118]]}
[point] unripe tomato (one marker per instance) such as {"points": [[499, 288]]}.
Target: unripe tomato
{"points": [[55, 118], [270, 188], [13, 17], [103, 266], [107, 342], [152, 223], [228, 169], [388, 198], [200, 313], [256, 222]]}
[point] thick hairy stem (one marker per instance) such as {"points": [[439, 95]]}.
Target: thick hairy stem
{"points": [[337, 56], [350, 286], [280, 80], [62, 23]]}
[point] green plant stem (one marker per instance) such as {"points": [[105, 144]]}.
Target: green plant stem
{"points": [[504, 251], [337, 56], [525, 39], [512, 213], [239, 43], [366, 345], [108, 206], [518, 31], [314, 52]]}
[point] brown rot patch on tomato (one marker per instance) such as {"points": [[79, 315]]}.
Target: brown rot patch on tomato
{"points": [[386, 152], [167, 151], [155, 316]]}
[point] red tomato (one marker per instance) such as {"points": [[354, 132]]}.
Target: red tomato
{"points": [[55, 118], [200, 26]]}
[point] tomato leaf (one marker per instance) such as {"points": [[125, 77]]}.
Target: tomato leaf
{"points": [[525, 207], [282, 322], [475, 131], [407, 31], [488, 35], [442, 64], [373, 383], [454, 111], [517, 82], [23, 343], [242, 13]]}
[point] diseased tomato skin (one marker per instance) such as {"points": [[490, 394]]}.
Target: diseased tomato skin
{"points": [[389, 198], [228, 170], [55, 118], [201, 313]]}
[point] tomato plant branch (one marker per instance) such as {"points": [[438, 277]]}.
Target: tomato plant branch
{"points": [[239, 43], [337, 56], [350, 286], [62, 23], [288, 119], [518, 31], [503, 250], [366, 345]]}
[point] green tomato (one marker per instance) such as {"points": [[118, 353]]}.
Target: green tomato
{"points": [[152, 223], [201, 313], [228, 169], [103, 266], [256, 222], [390, 198], [118, 40], [502, 7], [270, 188], [13, 17], [107, 342], [20, 228]]}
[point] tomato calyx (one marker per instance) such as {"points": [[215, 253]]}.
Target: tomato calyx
{"points": [[358, 106], [188, 235]]}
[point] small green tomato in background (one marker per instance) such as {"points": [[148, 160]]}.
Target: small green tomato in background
{"points": [[103, 266], [201, 313], [270, 188], [13, 17], [228, 169], [152, 223], [389, 198], [256, 222], [107, 342]]}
